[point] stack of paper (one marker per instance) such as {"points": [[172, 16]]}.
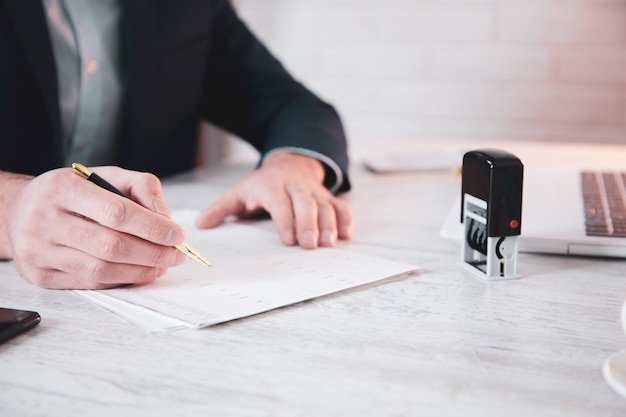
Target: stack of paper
{"points": [[252, 272]]}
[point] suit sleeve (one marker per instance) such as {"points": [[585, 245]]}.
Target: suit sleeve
{"points": [[249, 93]]}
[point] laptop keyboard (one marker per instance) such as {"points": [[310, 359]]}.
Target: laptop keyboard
{"points": [[604, 196]]}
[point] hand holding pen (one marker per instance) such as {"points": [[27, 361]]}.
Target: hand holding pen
{"points": [[67, 233], [88, 174]]}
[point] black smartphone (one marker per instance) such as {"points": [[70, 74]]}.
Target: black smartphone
{"points": [[14, 322]]}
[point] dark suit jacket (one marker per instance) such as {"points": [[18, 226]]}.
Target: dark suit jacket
{"points": [[184, 60]]}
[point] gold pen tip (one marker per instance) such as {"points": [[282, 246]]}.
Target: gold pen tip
{"points": [[193, 253], [200, 259], [203, 261]]}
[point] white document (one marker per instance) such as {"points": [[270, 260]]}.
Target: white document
{"points": [[252, 272], [424, 160]]}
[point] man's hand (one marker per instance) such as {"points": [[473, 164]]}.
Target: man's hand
{"points": [[65, 232], [290, 188]]}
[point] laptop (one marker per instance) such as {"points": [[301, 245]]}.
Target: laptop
{"points": [[559, 217]]}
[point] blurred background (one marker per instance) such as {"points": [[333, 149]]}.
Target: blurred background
{"points": [[424, 70]]}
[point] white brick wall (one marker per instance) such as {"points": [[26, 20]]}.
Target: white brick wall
{"points": [[516, 69]]}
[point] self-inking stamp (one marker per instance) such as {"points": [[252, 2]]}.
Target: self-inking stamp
{"points": [[491, 210]]}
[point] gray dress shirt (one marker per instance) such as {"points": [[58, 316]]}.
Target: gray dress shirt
{"points": [[86, 42]]}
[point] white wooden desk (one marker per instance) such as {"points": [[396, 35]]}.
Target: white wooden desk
{"points": [[442, 343]]}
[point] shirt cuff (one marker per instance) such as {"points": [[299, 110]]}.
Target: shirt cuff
{"points": [[330, 166]]}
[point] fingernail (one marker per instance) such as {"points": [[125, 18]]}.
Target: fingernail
{"points": [[175, 237], [289, 238], [328, 238], [309, 239], [161, 207]]}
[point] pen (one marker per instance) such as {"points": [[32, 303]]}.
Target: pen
{"points": [[86, 173]]}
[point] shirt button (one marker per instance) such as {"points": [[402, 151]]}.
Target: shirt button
{"points": [[92, 66]]}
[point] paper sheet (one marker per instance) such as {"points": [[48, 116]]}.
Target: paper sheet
{"points": [[252, 272], [424, 160]]}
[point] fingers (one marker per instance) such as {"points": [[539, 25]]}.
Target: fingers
{"points": [[345, 219], [63, 268], [327, 224], [145, 215], [303, 210], [320, 219], [69, 233], [307, 221], [109, 245], [142, 187]]}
